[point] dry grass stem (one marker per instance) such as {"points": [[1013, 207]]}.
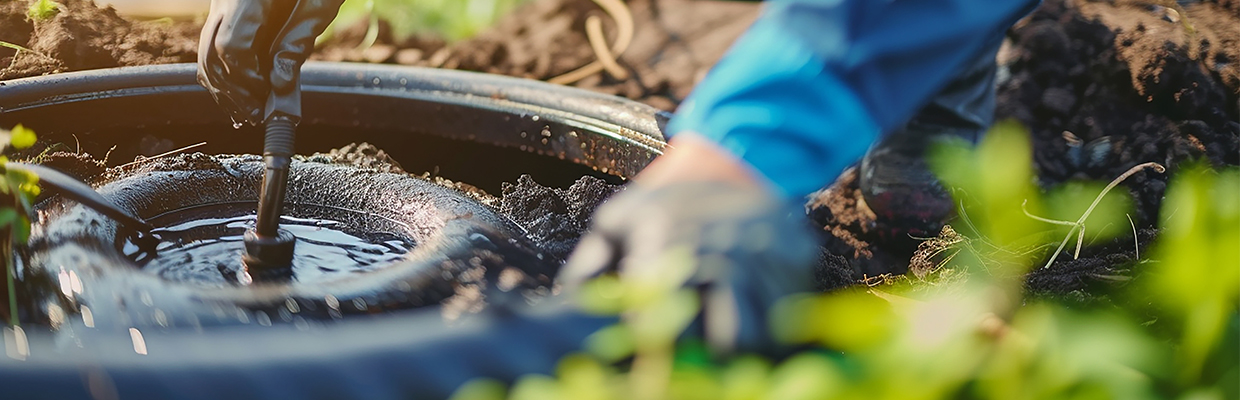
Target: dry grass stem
{"points": [[1079, 226], [624, 29], [164, 154]]}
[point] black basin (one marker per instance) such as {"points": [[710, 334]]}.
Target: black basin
{"points": [[475, 128]]}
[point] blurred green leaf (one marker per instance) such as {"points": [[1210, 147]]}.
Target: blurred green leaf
{"points": [[43, 10], [850, 320], [581, 377], [612, 344], [746, 378], [1197, 279], [480, 389], [603, 295], [805, 376], [663, 321], [991, 182], [21, 137], [536, 387], [7, 216], [693, 383]]}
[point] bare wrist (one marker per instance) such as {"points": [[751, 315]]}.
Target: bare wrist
{"points": [[691, 157]]}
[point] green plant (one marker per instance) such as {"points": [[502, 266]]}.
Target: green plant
{"points": [[19, 49], [20, 188], [43, 10], [969, 338]]}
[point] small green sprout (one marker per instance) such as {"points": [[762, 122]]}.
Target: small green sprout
{"points": [[22, 187], [43, 10]]}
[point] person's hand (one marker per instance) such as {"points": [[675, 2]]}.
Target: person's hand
{"points": [[749, 249], [251, 50]]}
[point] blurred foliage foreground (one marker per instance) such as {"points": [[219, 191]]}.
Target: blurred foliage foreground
{"points": [[959, 327]]}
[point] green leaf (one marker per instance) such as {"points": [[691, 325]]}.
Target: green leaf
{"points": [[7, 216], [613, 343], [480, 389], [21, 230], [43, 10], [22, 137], [15, 46]]}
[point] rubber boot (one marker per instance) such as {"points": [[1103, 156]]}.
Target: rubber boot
{"points": [[896, 182]]}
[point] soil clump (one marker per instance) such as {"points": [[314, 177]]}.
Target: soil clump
{"points": [[555, 218], [85, 36]]}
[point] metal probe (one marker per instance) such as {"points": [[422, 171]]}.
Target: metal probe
{"points": [[269, 249]]}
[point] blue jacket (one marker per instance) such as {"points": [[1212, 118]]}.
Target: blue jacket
{"points": [[814, 83]]}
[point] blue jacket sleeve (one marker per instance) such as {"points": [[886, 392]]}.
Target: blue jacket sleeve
{"points": [[813, 83]]}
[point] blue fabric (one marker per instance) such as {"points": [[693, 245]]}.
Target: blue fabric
{"points": [[812, 84]]}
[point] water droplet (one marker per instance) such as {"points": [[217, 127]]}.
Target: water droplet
{"points": [[300, 323], [375, 81], [262, 318], [139, 344], [75, 283], [66, 287], [535, 118], [88, 318], [237, 125], [161, 318], [55, 315], [15, 343], [332, 302]]}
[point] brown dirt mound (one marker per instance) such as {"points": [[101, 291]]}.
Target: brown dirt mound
{"points": [[85, 36], [675, 42]]}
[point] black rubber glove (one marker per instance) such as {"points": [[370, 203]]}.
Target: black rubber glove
{"points": [[750, 250], [251, 51]]}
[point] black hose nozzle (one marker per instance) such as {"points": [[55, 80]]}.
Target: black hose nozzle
{"points": [[269, 250]]}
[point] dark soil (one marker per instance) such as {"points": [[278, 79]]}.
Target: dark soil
{"points": [[85, 36], [555, 218], [1124, 77]]}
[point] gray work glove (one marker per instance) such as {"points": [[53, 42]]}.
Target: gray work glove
{"points": [[749, 251], [251, 51]]}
